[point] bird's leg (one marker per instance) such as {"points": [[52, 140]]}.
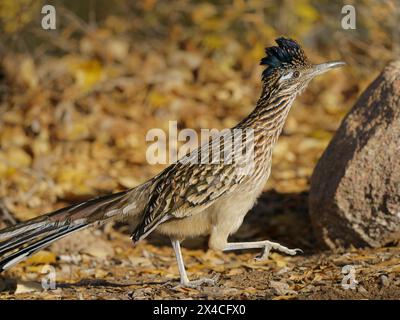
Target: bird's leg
{"points": [[185, 282], [265, 245]]}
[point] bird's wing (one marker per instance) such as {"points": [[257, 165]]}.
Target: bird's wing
{"points": [[181, 192], [184, 189]]}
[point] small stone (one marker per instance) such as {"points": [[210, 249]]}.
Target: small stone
{"points": [[281, 288], [384, 280], [282, 271], [362, 290]]}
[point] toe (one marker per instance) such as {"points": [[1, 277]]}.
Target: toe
{"points": [[261, 257], [293, 252]]}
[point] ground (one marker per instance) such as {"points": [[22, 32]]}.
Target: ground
{"points": [[105, 265]]}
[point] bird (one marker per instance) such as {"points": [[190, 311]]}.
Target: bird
{"points": [[192, 197]]}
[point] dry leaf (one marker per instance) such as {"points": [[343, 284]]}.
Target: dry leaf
{"points": [[42, 257], [28, 287]]}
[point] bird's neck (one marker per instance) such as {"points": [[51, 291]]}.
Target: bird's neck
{"points": [[269, 115], [265, 123]]}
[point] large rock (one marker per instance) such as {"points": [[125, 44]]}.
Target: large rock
{"points": [[355, 187]]}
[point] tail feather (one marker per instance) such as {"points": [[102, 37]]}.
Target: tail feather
{"points": [[60, 217], [22, 240], [22, 253]]}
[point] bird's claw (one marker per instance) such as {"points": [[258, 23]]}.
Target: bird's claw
{"points": [[276, 246], [264, 254]]}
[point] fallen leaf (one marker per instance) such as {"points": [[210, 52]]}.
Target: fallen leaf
{"points": [[27, 287], [42, 257], [281, 288]]}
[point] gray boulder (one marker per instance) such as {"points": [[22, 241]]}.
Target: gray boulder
{"points": [[355, 188]]}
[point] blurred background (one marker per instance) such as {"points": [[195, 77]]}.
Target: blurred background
{"points": [[76, 102]]}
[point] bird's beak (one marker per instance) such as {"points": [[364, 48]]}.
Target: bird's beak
{"points": [[324, 67]]}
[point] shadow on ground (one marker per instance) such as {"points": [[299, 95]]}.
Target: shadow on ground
{"points": [[279, 217]]}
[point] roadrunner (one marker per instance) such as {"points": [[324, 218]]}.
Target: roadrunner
{"points": [[189, 198]]}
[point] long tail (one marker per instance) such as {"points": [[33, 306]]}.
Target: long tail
{"points": [[22, 240]]}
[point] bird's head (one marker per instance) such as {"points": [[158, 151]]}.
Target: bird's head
{"points": [[288, 68]]}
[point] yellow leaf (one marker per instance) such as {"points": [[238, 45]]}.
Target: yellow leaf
{"points": [[42, 257], [257, 51], [35, 269], [306, 11], [87, 73], [18, 158], [100, 274], [28, 73], [17, 14], [288, 297], [202, 12], [156, 99], [278, 259], [128, 182], [213, 41], [77, 131], [321, 135], [27, 287]]}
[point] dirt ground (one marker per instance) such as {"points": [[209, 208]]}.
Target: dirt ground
{"points": [[104, 265]]}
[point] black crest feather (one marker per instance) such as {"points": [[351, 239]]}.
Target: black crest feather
{"points": [[287, 54]]}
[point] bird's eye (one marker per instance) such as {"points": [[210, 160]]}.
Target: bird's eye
{"points": [[296, 74]]}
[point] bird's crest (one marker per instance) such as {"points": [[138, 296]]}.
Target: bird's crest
{"points": [[287, 54]]}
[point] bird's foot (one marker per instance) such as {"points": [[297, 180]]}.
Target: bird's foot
{"points": [[269, 245], [196, 284]]}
